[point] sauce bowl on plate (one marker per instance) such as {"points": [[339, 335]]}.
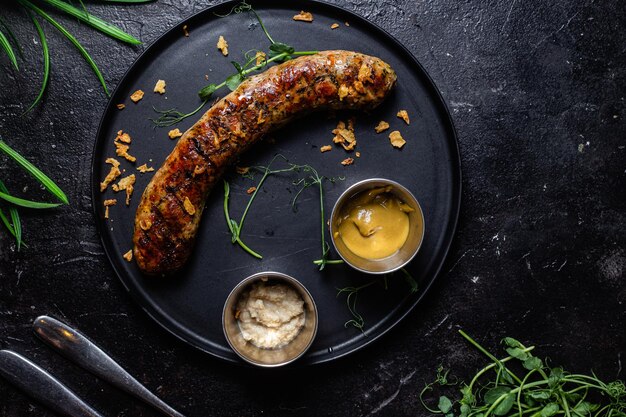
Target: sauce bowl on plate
{"points": [[270, 319], [377, 226]]}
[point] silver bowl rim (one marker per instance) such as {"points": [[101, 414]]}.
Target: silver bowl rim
{"points": [[292, 281], [350, 190]]}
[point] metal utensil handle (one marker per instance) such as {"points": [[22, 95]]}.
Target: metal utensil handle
{"points": [[42, 386], [77, 348]]}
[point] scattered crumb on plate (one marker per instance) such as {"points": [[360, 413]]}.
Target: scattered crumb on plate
{"points": [[347, 161], [186, 31], [174, 133], [222, 45], [325, 148], [120, 148], [125, 183], [107, 204], [122, 137], [304, 16], [137, 96], [344, 135], [251, 190], [381, 126], [396, 139], [112, 175], [404, 115], [121, 106], [334, 26], [159, 87], [144, 168], [128, 255]]}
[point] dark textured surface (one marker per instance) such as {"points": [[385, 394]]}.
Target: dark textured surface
{"points": [[537, 95]]}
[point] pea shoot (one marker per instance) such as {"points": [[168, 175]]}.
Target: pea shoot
{"points": [[277, 52], [357, 320], [541, 391], [311, 178]]}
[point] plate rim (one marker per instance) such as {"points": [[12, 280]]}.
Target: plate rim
{"points": [[448, 124]]}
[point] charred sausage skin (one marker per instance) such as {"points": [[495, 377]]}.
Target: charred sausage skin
{"points": [[170, 209]]}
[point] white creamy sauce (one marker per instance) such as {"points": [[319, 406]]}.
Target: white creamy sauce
{"points": [[270, 315]]}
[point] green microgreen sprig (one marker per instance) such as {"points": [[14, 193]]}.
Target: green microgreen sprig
{"points": [[542, 392], [312, 178], [352, 292], [277, 52], [172, 116]]}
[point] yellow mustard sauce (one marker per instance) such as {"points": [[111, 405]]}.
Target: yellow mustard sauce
{"points": [[374, 224]]}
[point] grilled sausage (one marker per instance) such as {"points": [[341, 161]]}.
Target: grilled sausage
{"points": [[169, 212]]}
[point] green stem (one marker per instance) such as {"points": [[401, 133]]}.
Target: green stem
{"points": [[519, 394], [262, 25], [244, 72], [229, 222], [328, 262], [496, 361], [563, 402]]}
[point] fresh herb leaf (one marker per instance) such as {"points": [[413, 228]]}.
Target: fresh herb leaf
{"points": [[35, 172], [8, 49], [556, 374], [46, 62], [93, 21], [207, 91], [71, 38], [15, 227], [26, 203], [445, 405], [494, 394], [584, 408], [13, 38], [539, 395], [549, 410], [542, 392], [233, 81], [532, 363], [278, 52]]}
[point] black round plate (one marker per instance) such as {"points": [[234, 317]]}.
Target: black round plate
{"points": [[189, 305]]}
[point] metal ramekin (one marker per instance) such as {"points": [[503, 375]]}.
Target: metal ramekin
{"points": [[269, 358], [405, 254]]}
